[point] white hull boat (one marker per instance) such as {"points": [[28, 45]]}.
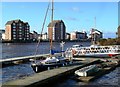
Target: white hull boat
{"points": [[94, 51], [86, 71]]}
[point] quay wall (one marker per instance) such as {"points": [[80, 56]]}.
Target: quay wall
{"points": [[45, 78]]}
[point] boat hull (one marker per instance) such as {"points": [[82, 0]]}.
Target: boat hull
{"points": [[96, 55], [42, 67], [86, 71]]}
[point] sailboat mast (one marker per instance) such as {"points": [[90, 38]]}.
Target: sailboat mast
{"points": [[52, 10], [51, 29], [94, 35]]}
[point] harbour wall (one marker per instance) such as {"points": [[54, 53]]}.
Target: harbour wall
{"points": [[45, 78]]}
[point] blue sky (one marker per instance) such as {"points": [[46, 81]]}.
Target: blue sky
{"points": [[76, 15]]}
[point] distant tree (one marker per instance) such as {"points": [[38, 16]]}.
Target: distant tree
{"points": [[109, 41], [102, 41], [118, 41]]}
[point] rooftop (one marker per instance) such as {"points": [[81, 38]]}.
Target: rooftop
{"points": [[54, 22]]}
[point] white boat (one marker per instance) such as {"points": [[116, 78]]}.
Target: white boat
{"points": [[94, 51], [87, 71], [49, 60], [46, 64]]}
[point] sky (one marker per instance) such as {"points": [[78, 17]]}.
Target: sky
{"points": [[77, 16]]}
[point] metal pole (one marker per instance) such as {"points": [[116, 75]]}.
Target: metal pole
{"points": [[51, 33]]}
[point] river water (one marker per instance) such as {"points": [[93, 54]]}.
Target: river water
{"points": [[23, 70], [25, 49]]}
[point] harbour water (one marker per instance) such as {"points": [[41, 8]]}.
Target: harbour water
{"points": [[26, 49], [23, 70]]}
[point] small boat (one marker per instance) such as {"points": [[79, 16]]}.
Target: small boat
{"points": [[94, 51], [87, 71], [95, 71]]}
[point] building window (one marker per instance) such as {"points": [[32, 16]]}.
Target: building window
{"points": [[14, 35], [20, 24], [13, 23], [14, 26], [14, 29], [20, 27], [20, 30], [27, 25], [14, 32], [14, 38], [27, 35], [20, 38], [20, 35], [27, 30]]}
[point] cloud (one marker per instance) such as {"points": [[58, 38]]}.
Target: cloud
{"points": [[72, 19], [76, 9]]}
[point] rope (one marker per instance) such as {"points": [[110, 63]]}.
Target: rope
{"points": [[42, 30]]}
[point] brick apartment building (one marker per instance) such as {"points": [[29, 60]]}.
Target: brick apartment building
{"points": [[57, 30], [17, 30]]}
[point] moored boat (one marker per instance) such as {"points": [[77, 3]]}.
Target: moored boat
{"points": [[102, 68], [86, 71], [47, 64]]}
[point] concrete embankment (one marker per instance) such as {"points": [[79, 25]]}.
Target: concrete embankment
{"points": [[44, 79]]}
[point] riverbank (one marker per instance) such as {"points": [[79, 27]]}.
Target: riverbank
{"points": [[30, 41], [110, 41]]}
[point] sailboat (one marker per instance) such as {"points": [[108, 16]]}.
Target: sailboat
{"points": [[50, 61]]}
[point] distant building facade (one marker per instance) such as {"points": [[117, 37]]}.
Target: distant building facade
{"points": [[2, 34], [17, 30], [67, 36], [57, 30], [78, 35], [118, 32], [95, 34], [34, 36], [45, 36]]}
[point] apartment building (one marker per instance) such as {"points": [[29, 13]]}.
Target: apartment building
{"points": [[57, 30], [17, 30]]}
